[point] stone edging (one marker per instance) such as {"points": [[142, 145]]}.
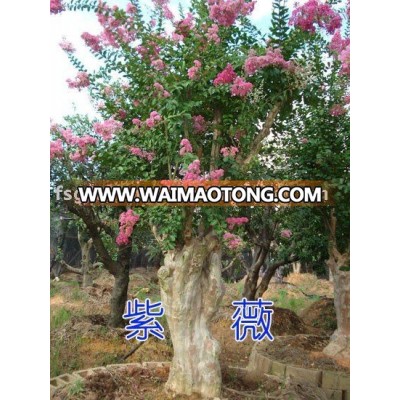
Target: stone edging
{"points": [[67, 379], [335, 384]]}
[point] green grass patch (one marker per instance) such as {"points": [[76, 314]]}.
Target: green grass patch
{"points": [[60, 317], [76, 387], [294, 304]]}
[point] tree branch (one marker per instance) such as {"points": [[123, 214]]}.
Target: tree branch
{"points": [[265, 131]]}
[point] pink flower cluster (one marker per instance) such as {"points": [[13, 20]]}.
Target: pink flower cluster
{"points": [[186, 147], [108, 128], [160, 3], [236, 221], [158, 64], [92, 41], [127, 222], [56, 149], [81, 81], [82, 143], [216, 174], [344, 57], [56, 6], [229, 151], [314, 12], [337, 110], [193, 171], [272, 57], [67, 46], [193, 71], [240, 87], [199, 123], [146, 155], [232, 241], [286, 233], [168, 13], [338, 44], [160, 90], [114, 28], [226, 76], [225, 12], [212, 34], [153, 119], [184, 26]]}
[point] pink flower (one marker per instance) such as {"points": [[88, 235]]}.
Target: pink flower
{"points": [[158, 64], [136, 103], [108, 91], [168, 14], [56, 149], [228, 75], [108, 128], [344, 57], [184, 26], [225, 12], [232, 241], [272, 57], [338, 44], [212, 34], [154, 117], [136, 121], [101, 105], [337, 110], [67, 46], [193, 71], [186, 147], [240, 87], [286, 233], [304, 140], [68, 136], [56, 6], [81, 81], [314, 12], [199, 123], [193, 171], [236, 221], [216, 174], [127, 222], [229, 151], [136, 151], [176, 37], [92, 41], [130, 8]]}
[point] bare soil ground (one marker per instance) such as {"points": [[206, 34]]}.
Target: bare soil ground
{"points": [[303, 351], [80, 337]]}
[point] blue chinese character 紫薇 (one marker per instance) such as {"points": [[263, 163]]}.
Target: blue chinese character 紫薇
{"points": [[253, 316], [142, 320]]}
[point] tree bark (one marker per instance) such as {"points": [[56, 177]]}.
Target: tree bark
{"points": [[118, 297], [269, 273], [339, 344], [251, 281], [86, 265], [191, 292]]}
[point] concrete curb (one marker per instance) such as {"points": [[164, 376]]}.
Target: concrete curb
{"points": [[335, 384]]}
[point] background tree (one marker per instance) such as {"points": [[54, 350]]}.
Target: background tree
{"points": [[196, 103]]}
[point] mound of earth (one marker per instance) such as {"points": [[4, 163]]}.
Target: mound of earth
{"points": [[303, 351], [321, 315], [287, 322]]}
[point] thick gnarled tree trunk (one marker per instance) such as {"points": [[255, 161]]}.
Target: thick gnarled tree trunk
{"points": [[338, 264], [191, 292]]}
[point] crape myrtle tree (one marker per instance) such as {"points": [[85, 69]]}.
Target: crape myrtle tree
{"points": [[72, 154], [315, 145], [189, 97]]}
